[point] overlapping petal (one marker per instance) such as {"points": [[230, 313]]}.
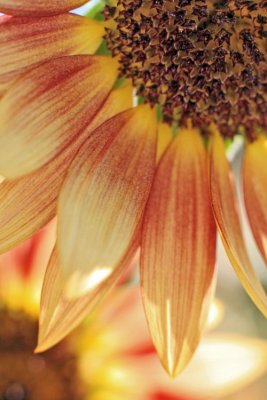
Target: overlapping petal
{"points": [[28, 203], [255, 191], [103, 197], [164, 138], [48, 107], [28, 41], [37, 8], [178, 251], [225, 210], [133, 141], [60, 314]]}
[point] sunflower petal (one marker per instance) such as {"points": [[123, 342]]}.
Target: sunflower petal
{"points": [[59, 314], [28, 203], [164, 138], [37, 8], [48, 107], [178, 251], [255, 193], [104, 195], [225, 211], [28, 41]]}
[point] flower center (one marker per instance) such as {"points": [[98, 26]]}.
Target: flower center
{"points": [[25, 376], [203, 60]]}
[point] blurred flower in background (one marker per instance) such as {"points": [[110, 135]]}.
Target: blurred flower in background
{"points": [[110, 357]]}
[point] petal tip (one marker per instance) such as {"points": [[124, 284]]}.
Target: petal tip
{"points": [[46, 340], [174, 367], [40, 348]]}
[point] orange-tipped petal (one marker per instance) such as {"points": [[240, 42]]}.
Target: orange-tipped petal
{"points": [[37, 8], [225, 211], [178, 251], [255, 191], [59, 314], [103, 197], [27, 203], [48, 107], [28, 41]]}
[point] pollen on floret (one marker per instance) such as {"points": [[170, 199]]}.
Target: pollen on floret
{"points": [[198, 59]]}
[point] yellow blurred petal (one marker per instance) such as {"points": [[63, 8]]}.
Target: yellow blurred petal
{"points": [[164, 138], [28, 203], [22, 271], [28, 41], [48, 107], [37, 8], [178, 251], [255, 191], [226, 215], [60, 314], [103, 197]]}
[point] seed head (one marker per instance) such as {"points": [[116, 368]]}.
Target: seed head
{"points": [[199, 59]]}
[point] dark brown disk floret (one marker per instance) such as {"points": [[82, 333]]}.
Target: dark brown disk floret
{"points": [[199, 59]]}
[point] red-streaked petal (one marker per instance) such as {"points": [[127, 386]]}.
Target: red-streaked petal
{"points": [[103, 197], [164, 138], [37, 8], [255, 191], [48, 107], [27, 203], [225, 211], [178, 251], [59, 314], [28, 41]]}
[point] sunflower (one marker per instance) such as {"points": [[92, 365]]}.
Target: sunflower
{"points": [[134, 162], [98, 361]]}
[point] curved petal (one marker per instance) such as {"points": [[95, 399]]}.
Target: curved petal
{"points": [[103, 197], [28, 203], [37, 8], [178, 251], [227, 218], [25, 42], [59, 314], [48, 107], [255, 191]]}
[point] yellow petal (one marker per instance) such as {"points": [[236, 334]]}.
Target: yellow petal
{"points": [[48, 107], [225, 210], [28, 41], [104, 195], [27, 203], [37, 8], [164, 138], [59, 314], [178, 251], [255, 191]]}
